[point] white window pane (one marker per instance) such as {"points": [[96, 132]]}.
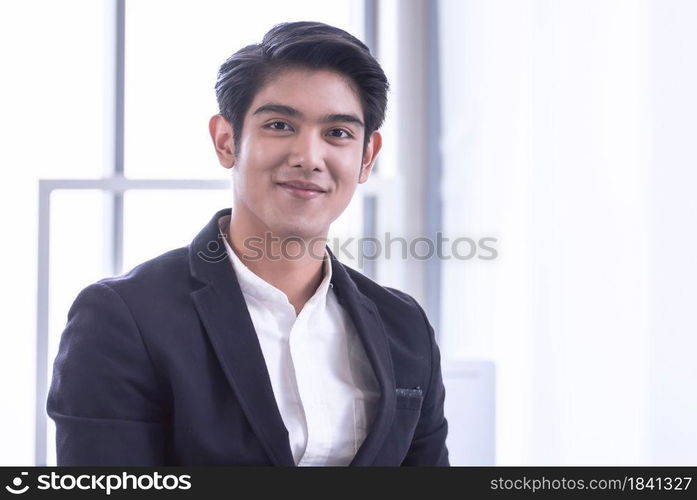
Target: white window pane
{"points": [[56, 88], [173, 53], [158, 221]]}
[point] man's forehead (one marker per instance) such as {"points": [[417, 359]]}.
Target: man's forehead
{"points": [[303, 93]]}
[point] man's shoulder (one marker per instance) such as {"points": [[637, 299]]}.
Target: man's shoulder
{"points": [[165, 273], [387, 299]]}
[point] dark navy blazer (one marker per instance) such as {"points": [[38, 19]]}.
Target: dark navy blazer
{"points": [[162, 366]]}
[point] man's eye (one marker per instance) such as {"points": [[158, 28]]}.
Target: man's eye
{"points": [[337, 132], [278, 126]]}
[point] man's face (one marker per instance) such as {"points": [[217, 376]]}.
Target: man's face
{"points": [[304, 126]]}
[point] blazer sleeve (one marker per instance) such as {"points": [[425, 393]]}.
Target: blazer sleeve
{"points": [[428, 446], [104, 396]]}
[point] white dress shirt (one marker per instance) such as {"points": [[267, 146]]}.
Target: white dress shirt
{"points": [[324, 386]]}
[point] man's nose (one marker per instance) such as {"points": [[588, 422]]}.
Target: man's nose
{"points": [[307, 150]]}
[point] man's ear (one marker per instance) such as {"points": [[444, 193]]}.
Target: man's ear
{"points": [[371, 153], [223, 140]]}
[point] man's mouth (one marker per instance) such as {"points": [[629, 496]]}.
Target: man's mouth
{"points": [[303, 190]]}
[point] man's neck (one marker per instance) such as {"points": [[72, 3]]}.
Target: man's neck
{"points": [[293, 266]]}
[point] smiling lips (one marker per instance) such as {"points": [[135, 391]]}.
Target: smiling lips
{"points": [[302, 189]]}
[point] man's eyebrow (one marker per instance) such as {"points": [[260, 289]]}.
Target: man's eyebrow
{"points": [[343, 117], [283, 109]]}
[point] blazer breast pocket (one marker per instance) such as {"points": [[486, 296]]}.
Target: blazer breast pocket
{"points": [[409, 399], [407, 415]]}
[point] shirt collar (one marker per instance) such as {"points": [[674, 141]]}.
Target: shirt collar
{"points": [[253, 285]]}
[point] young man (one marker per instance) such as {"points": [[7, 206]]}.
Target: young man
{"points": [[254, 345]]}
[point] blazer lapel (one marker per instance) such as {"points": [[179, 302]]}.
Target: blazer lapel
{"points": [[224, 314], [371, 331]]}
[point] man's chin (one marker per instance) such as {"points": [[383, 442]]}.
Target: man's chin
{"points": [[301, 231]]}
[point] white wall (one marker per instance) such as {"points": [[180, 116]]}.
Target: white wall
{"points": [[673, 219], [567, 134]]}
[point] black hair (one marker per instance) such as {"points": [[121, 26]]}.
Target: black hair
{"points": [[309, 45]]}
